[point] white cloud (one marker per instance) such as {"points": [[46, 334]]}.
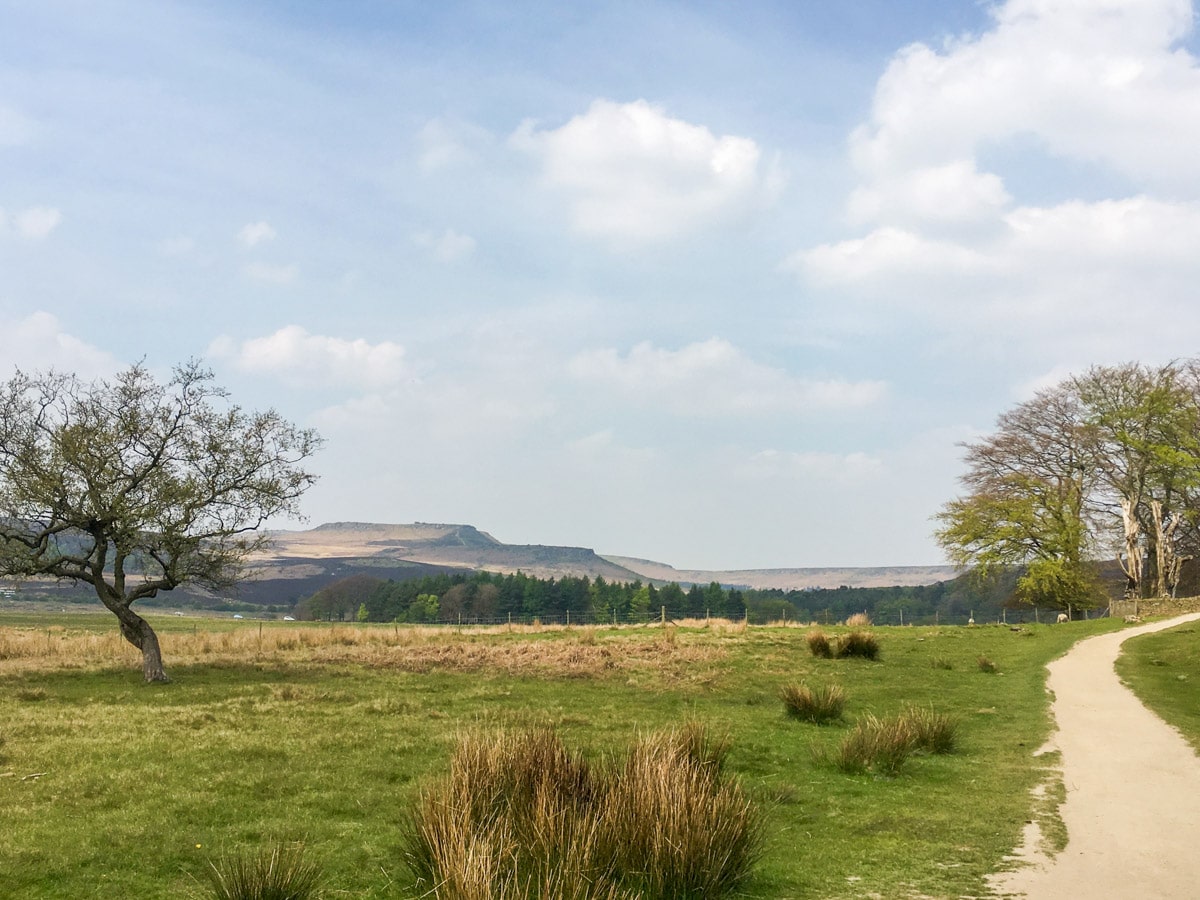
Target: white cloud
{"points": [[1095, 89], [714, 378], [271, 274], [633, 173], [448, 247], [34, 223], [299, 358], [1093, 80], [255, 233], [38, 343]]}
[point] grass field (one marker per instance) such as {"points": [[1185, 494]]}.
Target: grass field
{"points": [[323, 734], [1164, 671]]}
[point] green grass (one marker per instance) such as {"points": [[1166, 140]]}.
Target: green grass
{"points": [[1164, 671], [144, 785]]}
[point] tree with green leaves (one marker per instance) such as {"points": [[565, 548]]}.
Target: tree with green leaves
{"points": [[1109, 460], [134, 486], [1026, 506]]}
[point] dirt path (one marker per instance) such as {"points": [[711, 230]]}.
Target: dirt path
{"points": [[1133, 789]]}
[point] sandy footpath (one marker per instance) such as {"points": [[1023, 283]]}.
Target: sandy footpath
{"points": [[1132, 807]]}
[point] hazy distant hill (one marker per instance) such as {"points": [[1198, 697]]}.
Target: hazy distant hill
{"points": [[441, 545], [364, 544], [791, 579]]}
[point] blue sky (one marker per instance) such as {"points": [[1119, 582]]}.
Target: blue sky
{"points": [[718, 284]]}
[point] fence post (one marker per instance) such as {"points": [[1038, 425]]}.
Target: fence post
{"points": [[901, 617], [664, 617], [568, 618]]}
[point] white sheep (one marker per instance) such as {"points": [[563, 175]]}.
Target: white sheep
{"points": [[1062, 617]]}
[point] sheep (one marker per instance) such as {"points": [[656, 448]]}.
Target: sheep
{"points": [[1062, 617]]}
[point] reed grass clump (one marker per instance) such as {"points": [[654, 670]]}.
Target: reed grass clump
{"points": [[934, 732], [986, 665], [818, 644], [859, 620], [819, 705], [883, 745], [280, 873], [861, 644], [520, 816]]}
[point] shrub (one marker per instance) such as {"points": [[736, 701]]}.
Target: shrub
{"points": [[934, 732], [521, 817], [820, 705], [818, 644], [276, 874], [986, 665], [859, 620], [878, 745], [858, 643]]}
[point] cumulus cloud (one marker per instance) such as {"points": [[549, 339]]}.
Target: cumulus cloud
{"points": [[714, 378], [38, 342], [1095, 80], [34, 223], [448, 247], [255, 233], [1102, 88], [312, 360], [631, 172]]}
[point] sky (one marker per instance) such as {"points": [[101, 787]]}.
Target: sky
{"points": [[723, 285]]}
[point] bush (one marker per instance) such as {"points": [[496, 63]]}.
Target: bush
{"points": [[276, 874], [858, 643], [521, 817], [986, 665], [818, 644], [822, 705]]}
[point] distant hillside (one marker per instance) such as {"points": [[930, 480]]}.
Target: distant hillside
{"points": [[439, 545], [791, 579]]}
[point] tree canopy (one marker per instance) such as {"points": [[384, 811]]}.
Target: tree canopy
{"points": [[134, 486], [1103, 464]]}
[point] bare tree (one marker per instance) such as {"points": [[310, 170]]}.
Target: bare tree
{"points": [[134, 487]]}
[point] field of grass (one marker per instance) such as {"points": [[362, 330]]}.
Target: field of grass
{"points": [[1164, 671], [297, 732]]}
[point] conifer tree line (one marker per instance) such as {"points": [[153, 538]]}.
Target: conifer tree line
{"points": [[1101, 466], [493, 597]]}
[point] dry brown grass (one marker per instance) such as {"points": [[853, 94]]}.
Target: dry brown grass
{"points": [[534, 649]]}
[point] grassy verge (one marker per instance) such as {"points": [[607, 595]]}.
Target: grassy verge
{"points": [[326, 736], [1163, 669]]}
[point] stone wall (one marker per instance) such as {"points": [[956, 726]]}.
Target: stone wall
{"points": [[1159, 606]]}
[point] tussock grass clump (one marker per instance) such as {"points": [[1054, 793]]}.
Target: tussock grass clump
{"points": [[520, 816], [280, 873], [819, 705], [940, 662], [860, 644], [859, 620], [986, 665], [883, 745], [818, 644], [934, 732], [878, 745]]}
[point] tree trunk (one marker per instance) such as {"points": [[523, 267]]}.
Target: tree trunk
{"points": [[1131, 565], [138, 632]]}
